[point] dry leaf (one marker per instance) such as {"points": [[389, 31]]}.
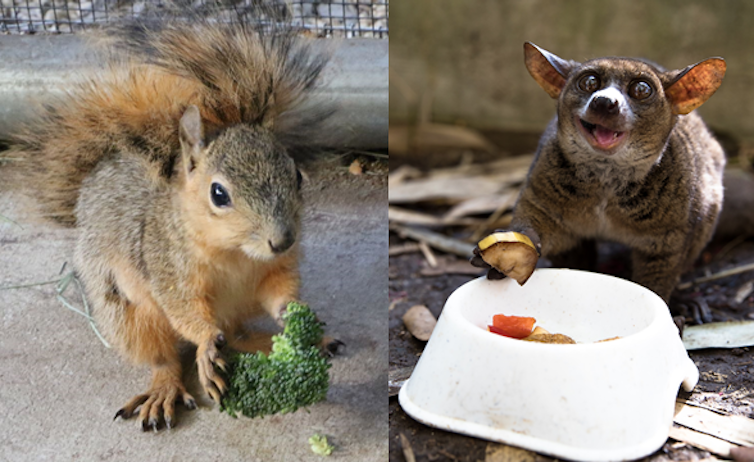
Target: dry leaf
{"points": [[355, 168], [730, 334], [501, 453], [742, 454], [735, 429], [408, 451], [420, 322]]}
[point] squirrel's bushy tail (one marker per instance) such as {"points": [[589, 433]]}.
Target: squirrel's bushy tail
{"points": [[234, 72]]}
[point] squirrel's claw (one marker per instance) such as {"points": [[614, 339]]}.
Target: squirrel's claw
{"points": [[331, 346], [127, 411], [188, 401], [207, 358], [157, 406]]}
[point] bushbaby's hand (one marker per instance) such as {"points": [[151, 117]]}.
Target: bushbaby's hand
{"points": [[508, 253]]}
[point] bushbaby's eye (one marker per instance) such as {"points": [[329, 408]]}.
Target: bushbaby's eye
{"points": [[219, 195], [640, 90], [589, 83], [299, 178]]}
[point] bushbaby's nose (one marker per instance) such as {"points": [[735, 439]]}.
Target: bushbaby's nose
{"points": [[604, 105], [280, 244]]}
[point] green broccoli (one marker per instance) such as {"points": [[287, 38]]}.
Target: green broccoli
{"points": [[294, 375], [320, 445]]}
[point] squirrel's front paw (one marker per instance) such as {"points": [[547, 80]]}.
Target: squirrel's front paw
{"points": [[330, 346], [208, 357]]}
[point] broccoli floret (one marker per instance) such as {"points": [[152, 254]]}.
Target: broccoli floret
{"points": [[320, 445], [294, 375]]}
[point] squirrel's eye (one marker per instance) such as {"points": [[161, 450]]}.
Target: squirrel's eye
{"points": [[589, 83], [299, 178], [219, 195], [640, 90]]}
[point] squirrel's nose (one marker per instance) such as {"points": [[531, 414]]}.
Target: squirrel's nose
{"points": [[604, 105], [282, 243]]}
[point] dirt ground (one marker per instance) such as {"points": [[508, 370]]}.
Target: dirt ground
{"points": [[725, 374]]}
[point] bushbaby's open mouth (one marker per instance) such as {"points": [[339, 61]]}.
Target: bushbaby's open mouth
{"points": [[601, 137]]}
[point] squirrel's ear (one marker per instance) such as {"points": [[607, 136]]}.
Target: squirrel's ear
{"points": [[692, 86], [548, 70], [191, 136]]}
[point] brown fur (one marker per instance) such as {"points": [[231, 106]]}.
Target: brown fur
{"points": [[132, 158], [234, 74], [659, 193]]}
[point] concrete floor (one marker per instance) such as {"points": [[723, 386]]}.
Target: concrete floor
{"points": [[60, 387]]}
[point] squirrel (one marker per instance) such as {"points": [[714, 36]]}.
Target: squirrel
{"points": [[174, 165], [626, 160]]}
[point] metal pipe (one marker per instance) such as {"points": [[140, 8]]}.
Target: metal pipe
{"points": [[33, 67]]}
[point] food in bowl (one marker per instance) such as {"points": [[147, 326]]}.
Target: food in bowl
{"points": [[522, 328]]}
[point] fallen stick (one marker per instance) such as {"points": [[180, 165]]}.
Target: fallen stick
{"points": [[428, 254], [456, 267], [409, 247], [701, 441], [436, 240], [410, 217], [720, 275]]}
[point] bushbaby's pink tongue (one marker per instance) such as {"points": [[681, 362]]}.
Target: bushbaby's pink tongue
{"points": [[603, 135]]}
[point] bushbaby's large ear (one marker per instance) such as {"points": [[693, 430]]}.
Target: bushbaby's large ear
{"points": [[694, 85], [191, 136], [548, 70]]}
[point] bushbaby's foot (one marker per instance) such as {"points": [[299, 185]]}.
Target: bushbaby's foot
{"points": [[157, 406], [692, 306], [207, 358]]}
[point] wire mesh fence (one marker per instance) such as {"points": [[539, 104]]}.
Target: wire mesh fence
{"points": [[327, 18]]}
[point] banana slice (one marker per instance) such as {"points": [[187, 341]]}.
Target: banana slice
{"points": [[542, 335], [511, 253], [549, 338]]}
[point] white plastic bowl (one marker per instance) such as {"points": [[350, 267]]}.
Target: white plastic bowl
{"points": [[588, 402]]}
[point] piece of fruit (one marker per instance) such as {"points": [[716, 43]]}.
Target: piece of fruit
{"points": [[549, 338], [539, 330], [513, 326], [495, 330], [511, 253]]}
